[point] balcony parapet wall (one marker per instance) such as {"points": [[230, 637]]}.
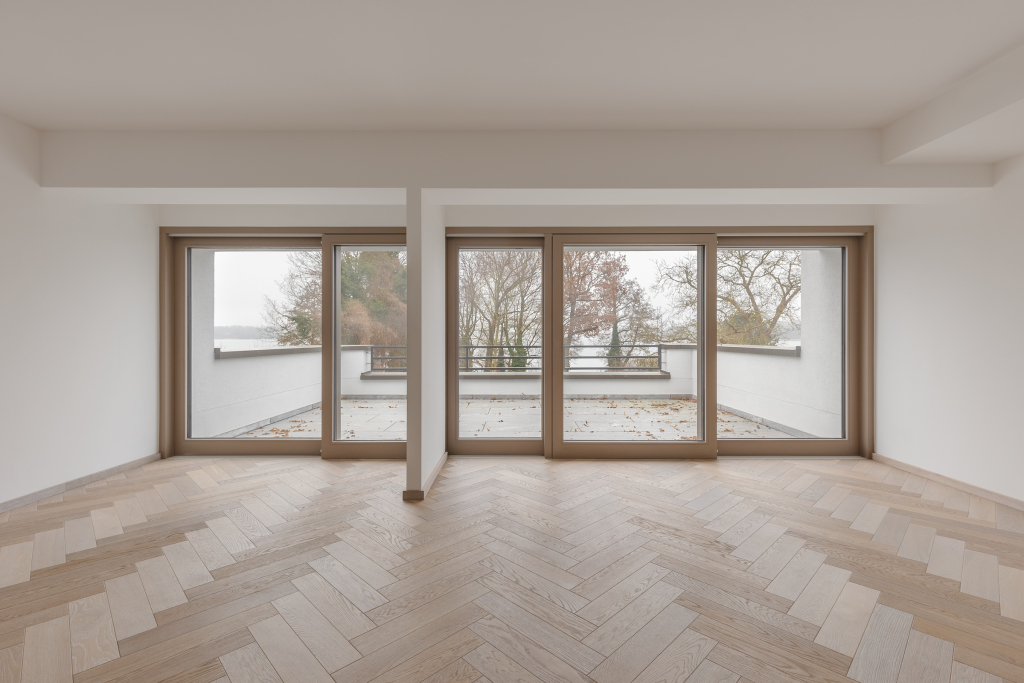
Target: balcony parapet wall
{"points": [[219, 354], [763, 381]]}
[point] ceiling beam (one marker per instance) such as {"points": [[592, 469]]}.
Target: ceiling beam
{"points": [[541, 168], [976, 120]]}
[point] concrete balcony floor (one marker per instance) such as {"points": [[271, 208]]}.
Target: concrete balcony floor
{"points": [[596, 419]]}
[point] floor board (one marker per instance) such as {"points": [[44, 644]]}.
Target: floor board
{"points": [[162, 587], [93, 641], [47, 654], [129, 606]]}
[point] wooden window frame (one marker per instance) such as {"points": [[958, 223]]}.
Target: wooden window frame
{"points": [[857, 371], [860, 331], [454, 444], [641, 449], [182, 443], [330, 448], [859, 287], [173, 369]]}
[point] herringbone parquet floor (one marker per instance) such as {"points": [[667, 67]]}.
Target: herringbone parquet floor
{"points": [[262, 570]]}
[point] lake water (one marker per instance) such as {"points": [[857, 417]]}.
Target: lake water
{"points": [[244, 344]]}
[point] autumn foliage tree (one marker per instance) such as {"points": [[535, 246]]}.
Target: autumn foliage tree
{"points": [[584, 310], [371, 300], [628, 308], [603, 305]]}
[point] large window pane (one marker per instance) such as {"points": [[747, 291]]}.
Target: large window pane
{"points": [[500, 306], [780, 343], [631, 352], [371, 343], [254, 343]]}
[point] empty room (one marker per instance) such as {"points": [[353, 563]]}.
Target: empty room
{"points": [[448, 341]]}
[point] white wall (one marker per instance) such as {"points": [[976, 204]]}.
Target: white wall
{"points": [[353, 361], [949, 329], [709, 215], [284, 215], [78, 312]]}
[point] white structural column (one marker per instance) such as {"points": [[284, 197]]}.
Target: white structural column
{"points": [[426, 403]]}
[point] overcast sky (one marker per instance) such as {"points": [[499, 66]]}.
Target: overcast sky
{"points": [[241, 281], [643, 267]]}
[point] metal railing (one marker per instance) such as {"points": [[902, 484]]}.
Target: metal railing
{"points": [[505, 358], [518, 358], [385, 359]]}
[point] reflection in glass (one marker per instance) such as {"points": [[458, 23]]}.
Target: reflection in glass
{"points": [[500, 308], [780, 343], [370, 334], [254, 343], [631, 357]]}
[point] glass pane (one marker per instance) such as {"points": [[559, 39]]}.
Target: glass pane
{"points": [[780, 343], [254, 343], [500, 309], [371, 343], [631, 357]]}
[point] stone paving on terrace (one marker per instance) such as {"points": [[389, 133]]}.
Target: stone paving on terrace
{"points": [[590, 419]]}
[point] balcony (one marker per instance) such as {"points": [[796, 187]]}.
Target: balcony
{"points": [[764, 392]]}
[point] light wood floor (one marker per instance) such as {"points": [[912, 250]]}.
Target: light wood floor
{"points": [[263, 570]]}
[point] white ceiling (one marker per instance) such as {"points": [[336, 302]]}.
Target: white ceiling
{"points": [[488, 64]]}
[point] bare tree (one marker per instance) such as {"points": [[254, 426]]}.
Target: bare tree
{"points": [[297, 319], [500, 305], [469, 297], [758, 289], [522, 323]]}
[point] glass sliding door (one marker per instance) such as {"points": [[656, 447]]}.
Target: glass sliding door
{"points": [[631, 330], [495, 340], [366, 333], [252, 345], [784, 345], [656, 345]]}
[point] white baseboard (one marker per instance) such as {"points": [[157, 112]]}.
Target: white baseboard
{"points": [[75, 483], [413, 494], [950, 481]]}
